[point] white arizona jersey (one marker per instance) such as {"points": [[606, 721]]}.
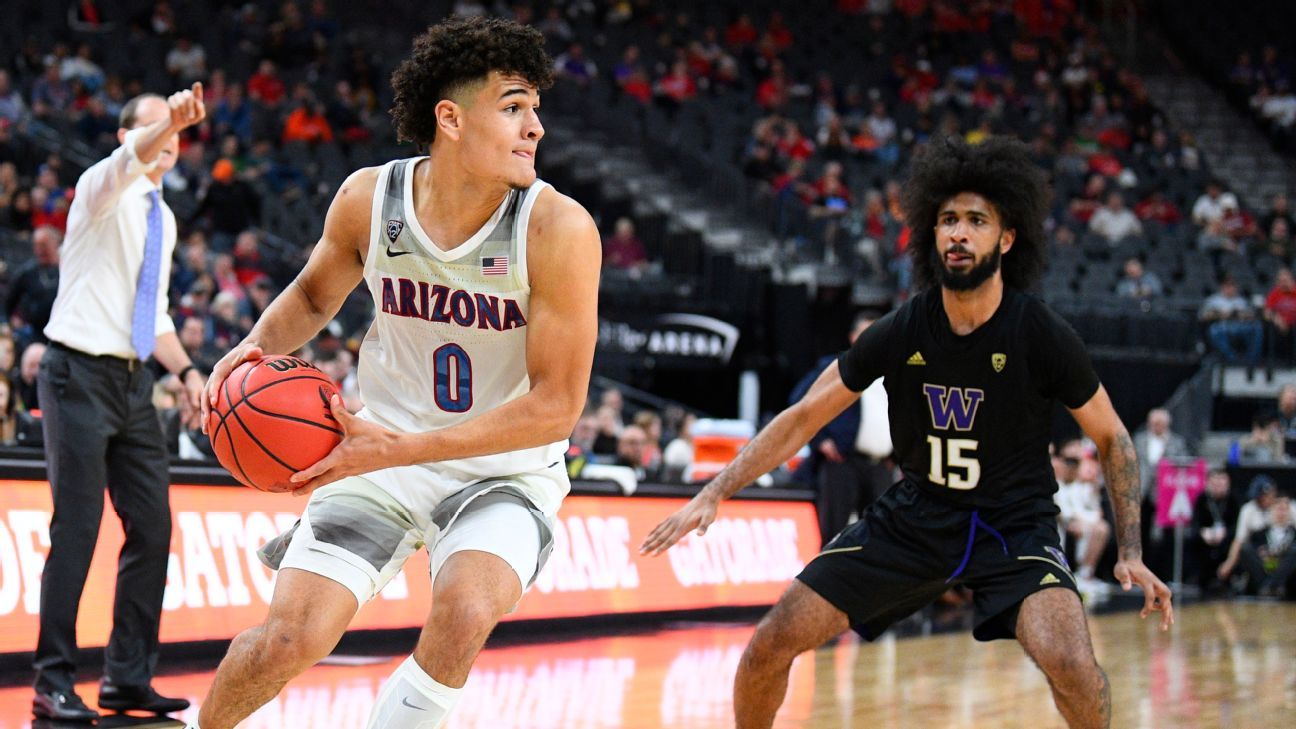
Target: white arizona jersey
{"points": [[448, 341]]}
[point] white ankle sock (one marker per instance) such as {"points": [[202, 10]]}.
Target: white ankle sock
{"points": [[411, 699]]}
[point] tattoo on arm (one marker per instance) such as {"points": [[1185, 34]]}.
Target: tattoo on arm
{"points": [[1104, 699], [1120, 465]]}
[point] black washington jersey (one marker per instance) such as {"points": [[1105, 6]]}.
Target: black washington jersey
{"points": [[971, 415]]}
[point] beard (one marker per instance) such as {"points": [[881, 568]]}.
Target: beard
{"points": [[967, 280]]}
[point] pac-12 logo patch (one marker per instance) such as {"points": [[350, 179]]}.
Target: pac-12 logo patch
{"points": [[394, 228], [998, 361]]}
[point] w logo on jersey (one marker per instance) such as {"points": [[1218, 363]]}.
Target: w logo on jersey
{"points": [[952, 406]]}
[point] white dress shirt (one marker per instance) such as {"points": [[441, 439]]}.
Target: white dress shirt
{"points": [[101, 256]]}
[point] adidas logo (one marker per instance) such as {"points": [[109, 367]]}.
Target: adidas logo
{"points": [[916, 359], [1050, 579]]}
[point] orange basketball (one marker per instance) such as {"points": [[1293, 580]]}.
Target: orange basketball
{"points": [[271, 420]]}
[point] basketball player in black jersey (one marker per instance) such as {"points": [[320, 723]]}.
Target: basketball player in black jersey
{"points": [[972, 366]]}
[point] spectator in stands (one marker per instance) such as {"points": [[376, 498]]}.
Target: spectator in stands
{"points": [[651, 424], [609, 430], [346, 116], [1080, 516], [8, 413], [1238, 225], [741, 34], [623, 250], [1254, 518], [307, 123], [631, 452], [555, 27], [1278, 210], [233, 115], [51, 95], [265, 87], [1114, 221], [1157, 209], [82, 69], [580, 446], [882, 129], [8, 353], [227, 280], [34, 285], [1282, 244], [227, 327], [677, 458], [1280, 308], [676, 87], [12, 107], [1270, 557], [772, 94], [26, 389], [187, 62], [227, 204], [1264, 444], [1214, 519], [96, 126], [194, 339], [1232, 327], [1138, 283], [1210, 206], [1152, 443], [1287, 411], [1214, 240], [575, 67]]}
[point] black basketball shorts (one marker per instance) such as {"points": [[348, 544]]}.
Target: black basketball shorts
{"points": [[909, 548]]}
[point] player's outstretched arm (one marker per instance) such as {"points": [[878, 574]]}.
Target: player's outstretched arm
{"points": [[785, 434], [1120, 465], [298, 313]]}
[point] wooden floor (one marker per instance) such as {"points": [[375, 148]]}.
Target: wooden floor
{"points": [[1223, 665]]}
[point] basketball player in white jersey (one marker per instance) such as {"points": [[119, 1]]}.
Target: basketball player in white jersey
{"points": [[475, 370]]}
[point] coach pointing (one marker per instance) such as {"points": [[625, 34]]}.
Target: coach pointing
{"points": [[100, 426]]}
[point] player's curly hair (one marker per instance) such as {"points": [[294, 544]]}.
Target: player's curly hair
{"points": [[456, 52], [1000, 170]]}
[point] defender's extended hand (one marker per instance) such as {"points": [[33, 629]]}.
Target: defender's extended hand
{"points": [[697, 514], [1156, 596]]}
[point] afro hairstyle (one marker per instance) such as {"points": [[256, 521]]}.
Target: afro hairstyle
{"points": [[999, 170], [456, 52]]}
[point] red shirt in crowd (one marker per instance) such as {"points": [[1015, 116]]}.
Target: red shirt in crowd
{"points": [[1282, 302], [678, 86], [267, 89]]}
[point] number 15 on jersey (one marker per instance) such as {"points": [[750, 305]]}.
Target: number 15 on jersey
{"points": [[954, 453]]}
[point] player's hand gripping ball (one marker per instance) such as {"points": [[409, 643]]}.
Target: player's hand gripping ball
{"points": [[271, 420]]}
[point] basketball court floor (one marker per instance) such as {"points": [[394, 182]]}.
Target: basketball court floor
{"points": [[1225, 664]]}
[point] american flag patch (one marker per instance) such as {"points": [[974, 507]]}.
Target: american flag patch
{"points": [[495, 266]]}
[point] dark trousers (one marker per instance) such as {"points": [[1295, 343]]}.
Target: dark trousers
{"points": [[847, 487], [1258, 577], [101, 430]]}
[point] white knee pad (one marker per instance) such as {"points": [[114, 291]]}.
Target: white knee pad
{"points": [[411, 699]]}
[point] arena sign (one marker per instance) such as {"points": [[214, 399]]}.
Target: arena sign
{"points": [[674, 339], [217, 586]]}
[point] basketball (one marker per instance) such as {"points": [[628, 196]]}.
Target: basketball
{"points": [[271, 420]]}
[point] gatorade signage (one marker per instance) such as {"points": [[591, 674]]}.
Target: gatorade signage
{"points": [[216, 586], [1179, 481]]}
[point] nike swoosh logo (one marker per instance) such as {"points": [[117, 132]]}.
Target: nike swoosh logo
{"points": [[393, 254], [405, 702]]}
